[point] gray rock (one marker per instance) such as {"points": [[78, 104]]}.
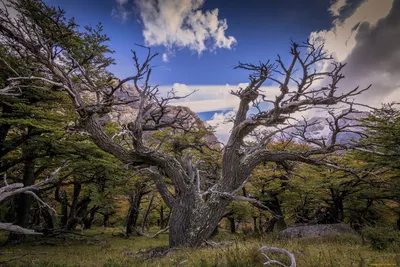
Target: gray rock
{"points": [[315, 231]]}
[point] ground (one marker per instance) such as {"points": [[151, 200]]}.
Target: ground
{"points": [[108, 249]]}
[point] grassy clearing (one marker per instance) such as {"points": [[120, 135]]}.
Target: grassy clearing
{"points": [[112, 251]]}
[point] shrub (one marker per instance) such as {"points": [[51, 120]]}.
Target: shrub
{"points": [[381, 238]]}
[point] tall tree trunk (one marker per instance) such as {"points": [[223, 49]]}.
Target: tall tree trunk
{"points": [[64, 209], [133, 212], [82, 210], [275, 206], [72, 221], [146, 216], [78, 210], [337, 207], [88, 221], [24, 201]]}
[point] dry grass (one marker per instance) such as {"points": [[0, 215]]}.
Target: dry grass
{"points": [[109, 251]]}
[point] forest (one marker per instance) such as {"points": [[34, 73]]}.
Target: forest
{"points": [[99, 170]]}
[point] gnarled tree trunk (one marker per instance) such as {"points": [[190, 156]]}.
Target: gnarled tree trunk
{"points": [[194, 221]]}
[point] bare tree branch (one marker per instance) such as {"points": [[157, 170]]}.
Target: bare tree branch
{"points": [[278, 250]]}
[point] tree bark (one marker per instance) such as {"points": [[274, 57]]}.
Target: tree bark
{"points": [[338, 211], [193, 221]]}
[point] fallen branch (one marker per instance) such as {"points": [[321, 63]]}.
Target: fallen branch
{"points": [[278, 250], [17, 229], [139, 232], [214, 244]]}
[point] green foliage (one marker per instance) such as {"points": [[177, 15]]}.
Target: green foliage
{"points": [[381, 238], [383, 127]]}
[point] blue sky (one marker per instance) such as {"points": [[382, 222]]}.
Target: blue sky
{"points": [[261, 29], [201, 41]]}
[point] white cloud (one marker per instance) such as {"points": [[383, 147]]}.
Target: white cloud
{"points": [[120, 12], [337, 7], [221, 125], [182, 24], [122, 2], [165, 57], [212, 97]]}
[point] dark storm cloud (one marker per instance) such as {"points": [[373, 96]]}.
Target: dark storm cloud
{"points": [[376, 58]]}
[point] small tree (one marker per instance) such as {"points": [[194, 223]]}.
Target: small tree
{"points": [[76, 62], [380, 148]]}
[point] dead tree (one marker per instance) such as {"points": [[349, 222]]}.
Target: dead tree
{"points": [[44, 36]]}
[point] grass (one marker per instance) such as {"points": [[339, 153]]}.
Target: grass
{"points": [[113, 251]]}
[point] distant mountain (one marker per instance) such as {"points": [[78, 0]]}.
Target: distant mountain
{"points": [[128, 113], [321, 129]]}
